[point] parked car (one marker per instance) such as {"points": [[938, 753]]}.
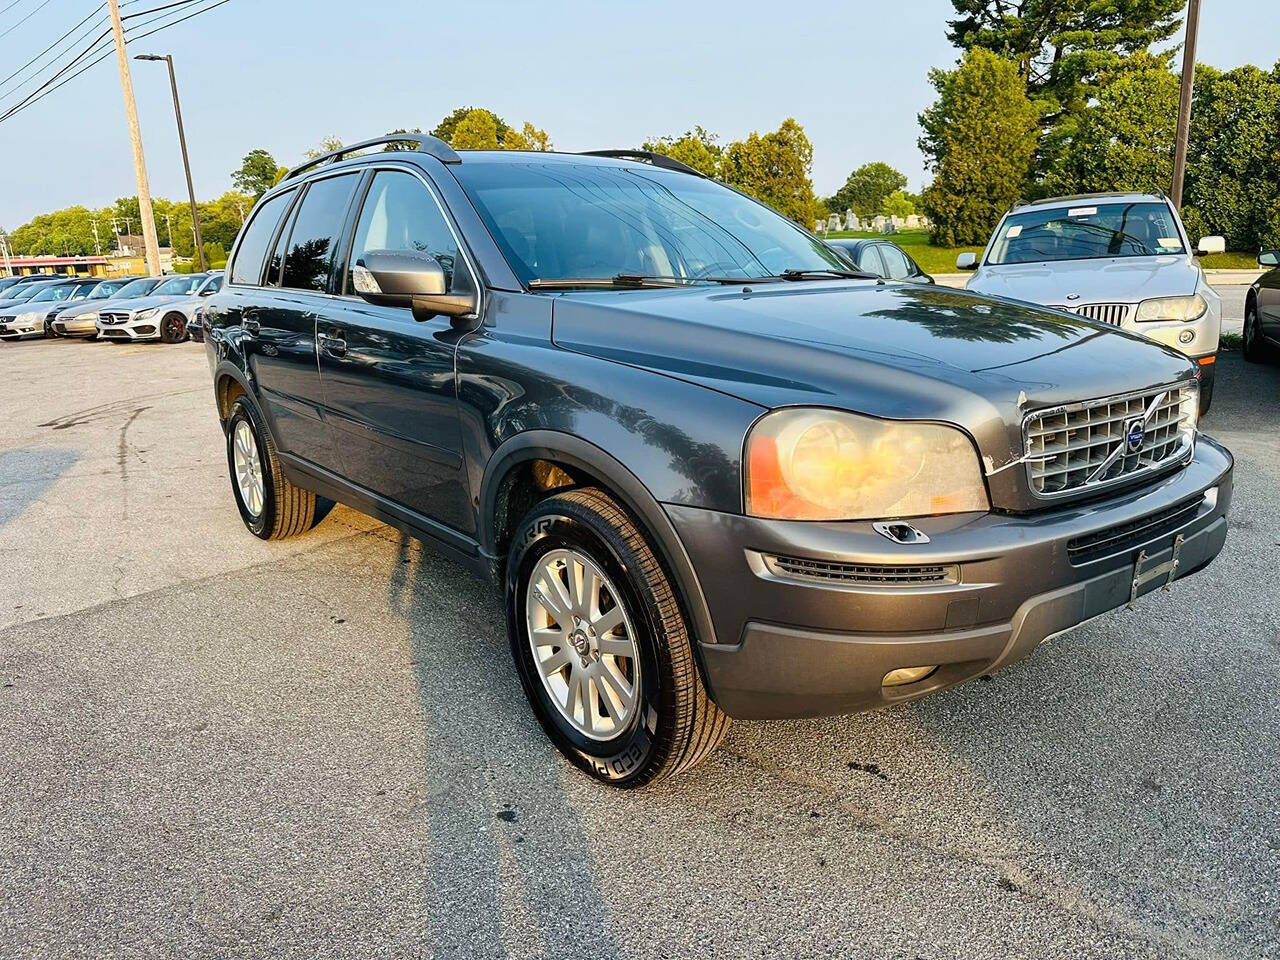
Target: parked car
{"points": [[161, 315], [195, 326], [1121, 259], [884, 258], [716, 473], [189, 308], [27, 287], [30, 318], [81, 320], [1262, 312]]}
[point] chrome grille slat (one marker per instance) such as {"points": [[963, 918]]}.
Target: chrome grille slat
{"points": [[1111, 313], [861, 574], [1078, 447]]}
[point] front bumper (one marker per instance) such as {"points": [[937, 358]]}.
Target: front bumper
{"points": [[148, 329], [75, 327], [795, 647]]}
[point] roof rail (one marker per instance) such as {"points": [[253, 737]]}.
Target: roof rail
{"points": [[657, 159], [423, 144]]}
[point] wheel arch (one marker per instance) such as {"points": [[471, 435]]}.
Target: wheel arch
{"points": [[588, 464]]}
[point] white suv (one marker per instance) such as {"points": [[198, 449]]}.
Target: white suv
{"points": [[161, 315], [1123, 259]]}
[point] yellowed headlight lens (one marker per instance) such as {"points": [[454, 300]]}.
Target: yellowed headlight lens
{"points": [[811, 464]]}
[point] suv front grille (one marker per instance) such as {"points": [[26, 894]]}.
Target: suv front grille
{"points": [[858, 574], [1083, 446], [1125, 536], [1112, 313]]}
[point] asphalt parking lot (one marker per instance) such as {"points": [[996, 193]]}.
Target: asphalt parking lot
{"points": [[212, 746]]}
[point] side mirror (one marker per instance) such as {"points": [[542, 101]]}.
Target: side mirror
{"points": [[1269, 258], [1210, 245], [967, 261], [407, 278]]}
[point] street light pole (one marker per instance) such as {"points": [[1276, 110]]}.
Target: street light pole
{"points": [[1184, 103], [186, 163]]}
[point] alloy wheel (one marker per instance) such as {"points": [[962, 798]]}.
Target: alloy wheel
{"points": [[248, 468], [583, 643]]}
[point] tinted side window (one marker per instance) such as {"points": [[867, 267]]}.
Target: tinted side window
{"points": [[399, 213], [248, 264], [869, 260], [895, 262], [315, 232]]}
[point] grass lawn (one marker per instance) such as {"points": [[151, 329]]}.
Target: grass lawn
{"points": [[943, 259]]}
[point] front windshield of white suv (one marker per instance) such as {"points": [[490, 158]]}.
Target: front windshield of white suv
{"points": [[1087, 231], [137, 288]]}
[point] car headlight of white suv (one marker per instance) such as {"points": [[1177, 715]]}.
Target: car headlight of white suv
{"points": [[1183, 309], [144, 314], [817, 464]]}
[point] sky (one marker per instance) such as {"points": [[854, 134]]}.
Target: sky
{"points": [[282, 74]]}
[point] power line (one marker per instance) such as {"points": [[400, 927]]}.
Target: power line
{"points": [[24, 19], [103, 52], [55, 43]]}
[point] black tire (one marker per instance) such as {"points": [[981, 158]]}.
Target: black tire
{"points": [[1255, 349], [676, 725], [48, 330], [173, 328], [287, 510], [1208, 374]]}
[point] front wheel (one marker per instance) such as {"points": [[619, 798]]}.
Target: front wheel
{"points": [[271, 507], [602, 648], [173, 328], [1255, 350]]}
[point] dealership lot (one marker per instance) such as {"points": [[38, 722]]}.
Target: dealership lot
{"points": [[212, 745]]}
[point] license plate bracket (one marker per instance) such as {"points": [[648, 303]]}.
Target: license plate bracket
{"points": [[1168, 569]]}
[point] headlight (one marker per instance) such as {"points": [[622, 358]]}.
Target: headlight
{"points": [[1172, 308], [149, 312], [88, 317], [811, 464], [31, 316]]}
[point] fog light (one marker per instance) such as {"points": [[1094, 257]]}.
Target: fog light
{"points": [[1186, 336], [900, 678]]}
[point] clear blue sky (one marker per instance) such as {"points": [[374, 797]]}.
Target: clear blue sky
{"points": [[281, 74]]}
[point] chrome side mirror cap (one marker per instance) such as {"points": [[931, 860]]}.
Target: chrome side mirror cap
{"points": [[409, 278], [1211, 244], [967, 261]]}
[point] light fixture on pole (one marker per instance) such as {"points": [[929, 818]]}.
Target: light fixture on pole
{"points": [[186, 163]]}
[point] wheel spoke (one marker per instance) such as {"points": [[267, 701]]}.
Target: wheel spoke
{"points": [[556, 661], [607, 622], [616, 646], [548, 637], [617, 686], [551, 593]]}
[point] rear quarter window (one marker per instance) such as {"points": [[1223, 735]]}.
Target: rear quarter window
{"points": [[258, 233]]}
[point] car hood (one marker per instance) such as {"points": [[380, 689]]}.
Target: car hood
{"points": [[143, 303], [1066, 282], [898, 351], [93, 306]]}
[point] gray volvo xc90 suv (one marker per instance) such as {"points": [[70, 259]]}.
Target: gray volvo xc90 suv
{"points": [[717, 473]]}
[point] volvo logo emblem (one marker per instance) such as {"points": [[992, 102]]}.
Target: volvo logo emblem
{"points": [[1135, 431]]}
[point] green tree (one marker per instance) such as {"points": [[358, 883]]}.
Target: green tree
{"points": [[257, 174], [774, 168], [475, 128], [326, 145], [1064, 49], [696, 148], [445, 128], [866, 189], [979, 138], [1124, 141], [898, 204], [1233, 167]]}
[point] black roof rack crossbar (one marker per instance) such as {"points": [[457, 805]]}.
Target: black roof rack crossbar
{"points": [[657, 159], [423, 143]]}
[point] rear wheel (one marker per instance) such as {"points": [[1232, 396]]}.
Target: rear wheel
{"points": [[271, 507], [602, 648], [173, 328]]}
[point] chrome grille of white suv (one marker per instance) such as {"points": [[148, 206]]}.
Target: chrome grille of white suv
{"points": [[1082, 446], [1112, 313]]}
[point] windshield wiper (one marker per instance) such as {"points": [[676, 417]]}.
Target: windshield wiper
{"points": [[826, 274], [634, 280]]}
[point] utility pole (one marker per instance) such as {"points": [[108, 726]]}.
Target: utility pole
{"points": [[135, 136], [96, 245], [4, 249], [1184, 103]]}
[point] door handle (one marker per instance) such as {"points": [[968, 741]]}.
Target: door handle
{"points": [[251, 326], [334, 346]]}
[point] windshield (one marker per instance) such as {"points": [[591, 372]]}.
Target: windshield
{"points": [[106, 288], [557, 220], [26, 291], [53, 291], [1089, 231], [138, 288], [179, 285]]}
